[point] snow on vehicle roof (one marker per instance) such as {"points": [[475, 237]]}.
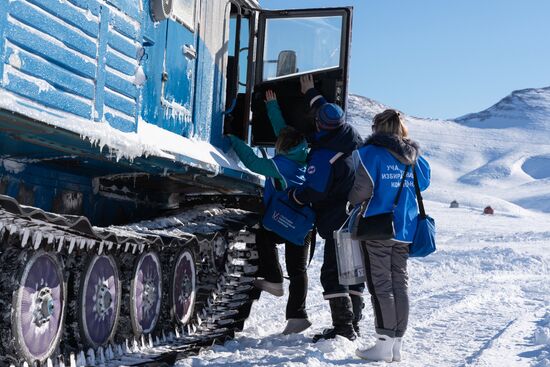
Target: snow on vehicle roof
{"points": [[149, 140]]}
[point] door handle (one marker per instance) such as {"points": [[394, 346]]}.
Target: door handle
{"points": [[189, 51]]}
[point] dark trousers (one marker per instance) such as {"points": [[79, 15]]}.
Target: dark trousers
{"points": [[269, 268], [329, 274]]}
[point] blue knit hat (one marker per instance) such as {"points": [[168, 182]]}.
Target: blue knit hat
{"points": [[330, 116]]}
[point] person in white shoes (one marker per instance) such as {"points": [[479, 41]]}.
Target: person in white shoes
{"points": [[384, 182], [386, 349]]}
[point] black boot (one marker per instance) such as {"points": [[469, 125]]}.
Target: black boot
{"points": [[358, 305], [341, 311]]}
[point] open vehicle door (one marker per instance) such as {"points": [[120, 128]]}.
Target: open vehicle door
{"points": [[292, 43]]}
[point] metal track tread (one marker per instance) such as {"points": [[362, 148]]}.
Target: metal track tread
{"points": [[225, 288]]}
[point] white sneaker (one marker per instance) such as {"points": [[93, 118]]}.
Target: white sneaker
{"points": [[275, 289], [381, 351], [295, 326], [398, 343]]}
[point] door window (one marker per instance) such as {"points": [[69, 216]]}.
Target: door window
{"points": [[301, 45], [184, 12], [243, 52], [295, 42]]}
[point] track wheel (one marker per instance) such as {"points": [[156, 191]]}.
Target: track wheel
{"points": [[183, 287], [99, 301], [38, 307], [146, 294]]}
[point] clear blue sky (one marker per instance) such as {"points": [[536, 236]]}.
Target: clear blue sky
{"points": [[444, 58]]}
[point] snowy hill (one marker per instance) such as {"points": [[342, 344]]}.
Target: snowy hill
{"points": [[483, 299], [503, 165], [527, 108]]}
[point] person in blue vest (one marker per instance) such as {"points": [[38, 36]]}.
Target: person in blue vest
{"points": [[285, 170], [379, 168], [329, 178]]}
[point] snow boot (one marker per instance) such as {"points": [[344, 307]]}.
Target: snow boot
{"points": [[275, 289], [358, 305], [397, 349], [295, 326], [342, 317], [381, 351]]}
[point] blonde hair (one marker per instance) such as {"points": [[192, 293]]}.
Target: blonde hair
{"points": [[390, 122]]}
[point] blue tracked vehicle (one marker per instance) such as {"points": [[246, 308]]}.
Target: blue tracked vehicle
{"points": [[113, 112]]}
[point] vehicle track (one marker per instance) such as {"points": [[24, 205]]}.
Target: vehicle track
{"points": [[222, 263]]}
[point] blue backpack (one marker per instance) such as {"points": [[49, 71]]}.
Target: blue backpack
{"points": [[287, 219]]}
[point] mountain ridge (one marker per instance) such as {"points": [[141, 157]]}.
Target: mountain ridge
{"points": [[499, 156], [529, 106]]}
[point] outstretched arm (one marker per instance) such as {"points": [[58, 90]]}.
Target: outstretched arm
{"points": [[262, 166], [274, 112], [313, 97]]}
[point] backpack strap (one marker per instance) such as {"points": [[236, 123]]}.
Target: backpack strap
{"points": [[418, 195], [364, 203], [401, 187], [313, 240], [336, 157]]}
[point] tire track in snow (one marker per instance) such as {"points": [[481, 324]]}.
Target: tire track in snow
{"points": [[460, 328], [514, 345], [475, 356], [479, 305]]}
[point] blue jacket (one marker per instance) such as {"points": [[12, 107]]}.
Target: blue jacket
{"points": [[329, 177], [285, 170], [266, 166], [329, 174], [379, 167]]}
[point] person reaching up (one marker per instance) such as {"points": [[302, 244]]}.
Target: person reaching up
{"points": [[285, 170], [329, 178]]}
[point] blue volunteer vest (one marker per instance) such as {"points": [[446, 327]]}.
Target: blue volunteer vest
{"points": [[386, 173]]}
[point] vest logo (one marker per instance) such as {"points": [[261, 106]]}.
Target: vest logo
{"points": [[276, 216], [311, 170]]}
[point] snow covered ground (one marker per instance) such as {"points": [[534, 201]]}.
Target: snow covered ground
{"points": [[484, 298]]}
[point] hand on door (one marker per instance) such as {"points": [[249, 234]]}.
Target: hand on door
{"points": [[306, 83], [270, 96]]}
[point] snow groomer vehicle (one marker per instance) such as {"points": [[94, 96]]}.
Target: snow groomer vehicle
{"points": [[126, 224]]}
